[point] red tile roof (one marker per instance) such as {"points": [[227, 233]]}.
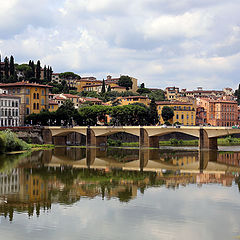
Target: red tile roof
{"points": [[20, 84], [53, 103], [8, 96], [70, 96], [172, 103]]}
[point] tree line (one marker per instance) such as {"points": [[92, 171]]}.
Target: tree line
{"points": [[67, 115], [12, 72]]}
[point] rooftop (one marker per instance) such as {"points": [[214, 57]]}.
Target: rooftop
{"points": [[23, 84]]}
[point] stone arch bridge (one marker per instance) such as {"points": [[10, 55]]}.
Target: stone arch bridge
{"points": [[96, 136]]}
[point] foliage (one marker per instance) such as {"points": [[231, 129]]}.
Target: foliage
{"points": [[132, 114], [238, 95], [38, 70], [143, 91], [167, 113], [10, 142], [69, 75], [103, 90], [90, 115], [125, 81], [154, 119], [158, 95], [114, 143]]}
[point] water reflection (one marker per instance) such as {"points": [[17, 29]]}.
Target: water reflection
{"points": [[32, 183]]}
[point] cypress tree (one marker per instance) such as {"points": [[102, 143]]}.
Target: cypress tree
{"points": [[103, 87], [33, 68], [0, 69], [45, 72], [109, 88], [12, 67], [50, 74], [38, 71], [154, 119], [238, 95], [6, 67]]}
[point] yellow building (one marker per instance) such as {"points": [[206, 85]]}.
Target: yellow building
{"points": [[184, 113], [132, 99], [86, 81], [113, 82], [53, 106], [34, 97], [171, 93]]}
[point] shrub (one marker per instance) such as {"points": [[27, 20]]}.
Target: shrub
{"points": [[12, 142], [2, 143], [174, 141], [115, 143]]}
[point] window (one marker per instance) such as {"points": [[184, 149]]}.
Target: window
{"points": [[27, 91], [42, 92], [34, 96], [37, 105], [37, 95], [177, 116], [16, 113], [13, 91], [27, 100], [182, 116], [27, 111], [42, 101], [34, 105], [16, 104], [18, 90]]}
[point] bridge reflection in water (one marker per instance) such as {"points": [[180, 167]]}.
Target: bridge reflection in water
{"points": [[65, 175]]}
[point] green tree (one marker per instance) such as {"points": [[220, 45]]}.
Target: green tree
{"points": [[238, 95], [38, 71], [125, 81], [167, 113], [12, 67], [6, 68], [158, 95], [154, 119], [45, 72], [103, 87], [50, 74], [69, 75], [0, 69], [109, 88], [66, 113]]}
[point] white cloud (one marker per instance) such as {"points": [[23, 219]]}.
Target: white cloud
{"points": [[161, 42]]}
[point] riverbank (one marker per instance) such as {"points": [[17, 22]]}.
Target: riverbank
{"points": [[188, 143]]}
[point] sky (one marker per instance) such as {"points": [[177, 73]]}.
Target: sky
{"points": [[187, 43]]}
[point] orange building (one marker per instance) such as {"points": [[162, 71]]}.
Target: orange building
{"points": [[33, 97], [220, 112], [132, 99]]}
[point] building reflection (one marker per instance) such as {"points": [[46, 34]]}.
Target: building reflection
{"points": [[65, 175]]}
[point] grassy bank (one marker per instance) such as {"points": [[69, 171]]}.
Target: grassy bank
{"points": [[41, 146], [9, 142], [228, 141]]}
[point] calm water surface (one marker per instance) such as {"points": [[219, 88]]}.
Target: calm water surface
{"points": [[77, 193]]}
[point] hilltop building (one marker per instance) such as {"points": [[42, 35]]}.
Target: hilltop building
{"points": [[184, 113], [220, 112], [9, 109], [33, 97]]}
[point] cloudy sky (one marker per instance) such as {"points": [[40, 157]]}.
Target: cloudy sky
{"points": [[187, 43]]}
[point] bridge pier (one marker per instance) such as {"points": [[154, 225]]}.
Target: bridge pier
{"points": [[47, 136], [90, 156], [146, 141], [93, 141], [205, 142], [144, 157]]}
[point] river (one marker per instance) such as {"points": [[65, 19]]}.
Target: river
{"points": [[117, 193]]}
